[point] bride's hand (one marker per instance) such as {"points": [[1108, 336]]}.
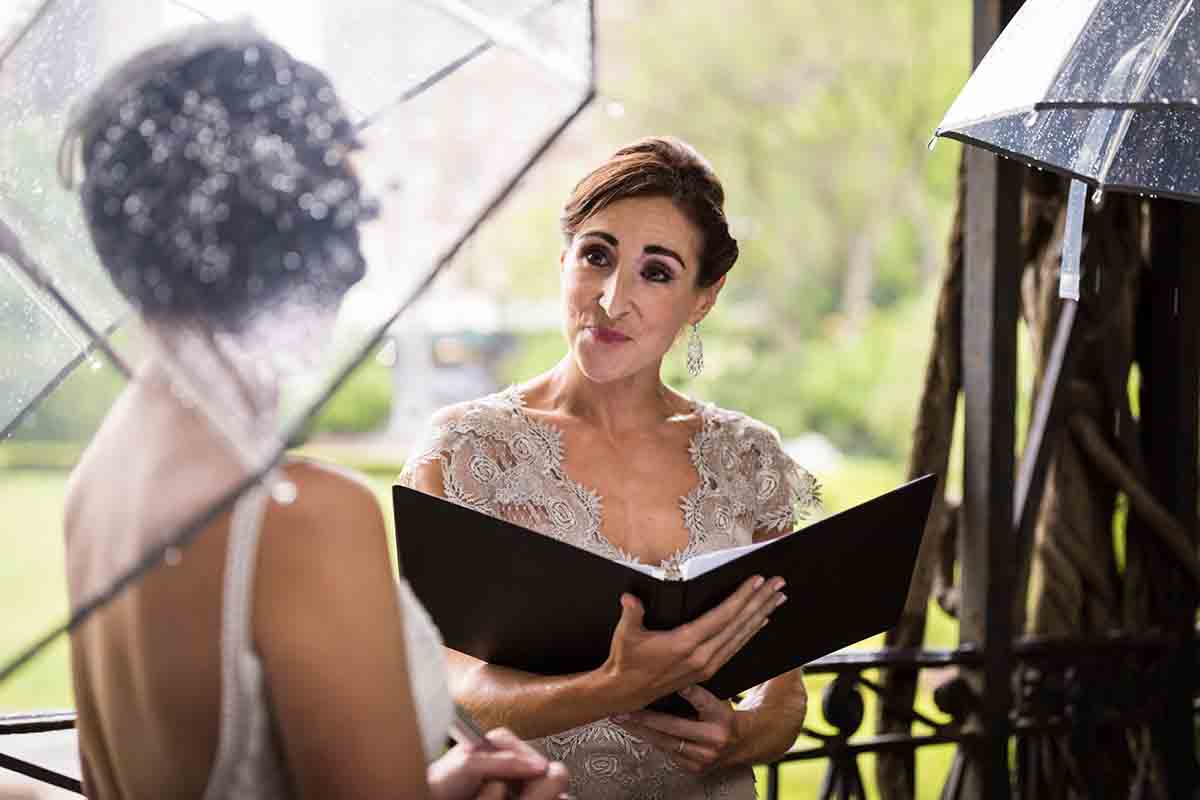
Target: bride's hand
{"points": [[513, 769], [644, 665], [696, 745]]}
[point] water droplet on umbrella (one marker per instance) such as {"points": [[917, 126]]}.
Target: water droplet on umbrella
{"points": [[284, 492], [387, 354], [1030, 119], [172, 556]]}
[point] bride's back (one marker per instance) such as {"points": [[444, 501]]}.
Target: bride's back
{"points": [[147, 667]]}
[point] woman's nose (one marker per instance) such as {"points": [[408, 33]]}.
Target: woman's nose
{"points": [[615, 298]]}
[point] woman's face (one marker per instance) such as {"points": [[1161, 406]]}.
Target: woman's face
{"points": [[629, 286]]}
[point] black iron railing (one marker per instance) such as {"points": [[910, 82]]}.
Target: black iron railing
{"points": [[1064, 689]]}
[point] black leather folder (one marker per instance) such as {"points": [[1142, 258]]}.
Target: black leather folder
{"points": [[513, 597]]}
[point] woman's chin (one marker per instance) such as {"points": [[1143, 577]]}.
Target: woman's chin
{"points": [[603, 370]]}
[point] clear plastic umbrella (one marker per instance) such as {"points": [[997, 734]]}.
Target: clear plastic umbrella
{"points": [[1105, 91], [449, 102]]}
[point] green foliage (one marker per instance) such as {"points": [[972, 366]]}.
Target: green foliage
{"points": [[363, 404], [816, 117]]}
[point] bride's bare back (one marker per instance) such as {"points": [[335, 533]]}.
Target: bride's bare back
{"points": [[147, 667]]}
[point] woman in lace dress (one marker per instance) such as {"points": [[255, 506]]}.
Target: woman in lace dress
{"points": [[277, 656], [599, 452]]}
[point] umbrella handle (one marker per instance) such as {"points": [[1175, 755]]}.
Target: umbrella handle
{"points": [[1069, 275]]}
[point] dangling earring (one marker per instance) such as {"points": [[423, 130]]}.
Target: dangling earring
{"points": [[695, 354]]}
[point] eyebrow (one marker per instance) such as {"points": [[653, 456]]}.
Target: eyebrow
{"points": [[650, 249]]}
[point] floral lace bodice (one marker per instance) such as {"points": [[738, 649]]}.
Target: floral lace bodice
{"points": [[498, 459]]}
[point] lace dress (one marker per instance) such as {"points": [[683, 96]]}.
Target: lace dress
{"points": [[497, 459]]}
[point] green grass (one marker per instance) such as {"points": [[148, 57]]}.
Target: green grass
{"points": [[33, 599], [33, 595]]}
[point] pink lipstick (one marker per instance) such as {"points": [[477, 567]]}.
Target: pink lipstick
{"points": [[609, 335]]}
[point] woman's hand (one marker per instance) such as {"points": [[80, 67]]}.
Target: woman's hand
{"points": [[513, 769], [696, 745], [645, 665]]}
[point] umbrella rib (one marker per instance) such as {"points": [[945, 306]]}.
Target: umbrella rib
{"points": [[1156, 55], [441, 73], [23, 32], [507, 34], [54, 383], [156, 555], [12, 247]]}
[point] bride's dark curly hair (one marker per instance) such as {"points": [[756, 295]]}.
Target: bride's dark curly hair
{"points": [[215, 180]]}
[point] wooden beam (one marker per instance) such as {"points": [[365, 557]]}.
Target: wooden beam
{"points": [[1170, 430], [987, 545]]}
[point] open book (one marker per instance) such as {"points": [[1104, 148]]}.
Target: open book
{"points": [[696, 566], [513, 597]]}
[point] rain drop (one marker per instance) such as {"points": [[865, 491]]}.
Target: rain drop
{"points": [[1030, 119], [172, 556], [284, 492], [614, 109], [932, 143], [1098, 197], [94, 364], [387, 354]]}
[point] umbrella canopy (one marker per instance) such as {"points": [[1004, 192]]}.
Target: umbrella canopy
{"points": [[432, 112], [454, 100], [1106, 91]]}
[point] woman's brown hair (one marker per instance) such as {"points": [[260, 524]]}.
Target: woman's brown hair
{"points": [[661, 167]]}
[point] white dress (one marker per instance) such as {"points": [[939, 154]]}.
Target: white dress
{"points": [[249, 763], [498, 459]]}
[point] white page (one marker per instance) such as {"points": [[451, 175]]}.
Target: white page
{"points": [[652, 571], [696, 566]]}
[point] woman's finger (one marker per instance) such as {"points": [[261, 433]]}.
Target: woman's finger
{"points": [[664, 742], [679, 750], [754, 622], [707, 704], [762, 602], [716, 620], [506, 740], [550, 787], [493, 790], [677, 727]]}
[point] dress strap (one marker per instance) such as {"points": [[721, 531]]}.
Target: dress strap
{"points": [[240, 686]]}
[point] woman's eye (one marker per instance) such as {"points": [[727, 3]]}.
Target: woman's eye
{"points": [[596, 257], [657, 274]]}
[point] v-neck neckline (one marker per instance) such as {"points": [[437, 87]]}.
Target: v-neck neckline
{"points": [[560, 455]]}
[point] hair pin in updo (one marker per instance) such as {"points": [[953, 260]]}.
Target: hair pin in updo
{"points": [[70, 159]]}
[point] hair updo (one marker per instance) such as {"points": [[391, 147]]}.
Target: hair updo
{"points": [[661, 167], [215, 179]]}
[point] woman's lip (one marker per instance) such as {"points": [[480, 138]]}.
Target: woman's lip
{"points": [[609, 335]]}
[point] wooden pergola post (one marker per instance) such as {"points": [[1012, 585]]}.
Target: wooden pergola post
{"points": [[987, 549], [1168, 352]]}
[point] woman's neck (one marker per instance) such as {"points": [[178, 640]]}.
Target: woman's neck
{"points": [[632, 403], [220, 381]]}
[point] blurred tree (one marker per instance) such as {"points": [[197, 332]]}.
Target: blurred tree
{"points": [[816, 117]]}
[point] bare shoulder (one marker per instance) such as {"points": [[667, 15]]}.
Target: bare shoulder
{"points": [[329, 520]]}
